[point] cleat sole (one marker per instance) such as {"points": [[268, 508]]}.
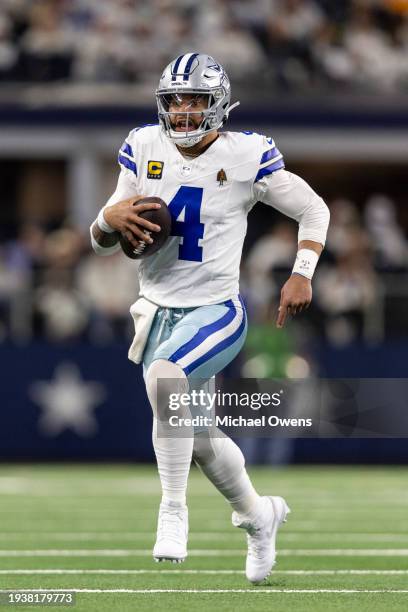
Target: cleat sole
{"points": [[171, 559]]}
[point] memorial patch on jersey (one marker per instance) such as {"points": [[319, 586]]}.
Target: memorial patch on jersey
{"points": [[154, 169], [221, 177]]}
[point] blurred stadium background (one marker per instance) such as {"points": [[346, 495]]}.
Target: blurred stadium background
{"points": [[329, 81]]}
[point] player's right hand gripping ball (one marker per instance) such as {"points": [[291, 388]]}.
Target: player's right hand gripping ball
{"points": [[160, 216]]}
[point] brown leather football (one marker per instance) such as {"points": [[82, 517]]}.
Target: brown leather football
{"points": [[160, 216]]}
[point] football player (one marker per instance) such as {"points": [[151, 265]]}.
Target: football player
{"points": [[196, 319]]}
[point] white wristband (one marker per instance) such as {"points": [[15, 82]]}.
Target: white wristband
{"points": [[105, 227], [305, 264]]}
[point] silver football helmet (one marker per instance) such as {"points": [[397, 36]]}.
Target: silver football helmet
{"points": [[200, 74]]}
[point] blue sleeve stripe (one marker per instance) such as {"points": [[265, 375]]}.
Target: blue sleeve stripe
{"points": [[126, 148], [270, 169], [127, 163], [269, 154]]}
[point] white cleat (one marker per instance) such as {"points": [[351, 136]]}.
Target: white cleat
{"points": [[261, 537], [172, 533]]}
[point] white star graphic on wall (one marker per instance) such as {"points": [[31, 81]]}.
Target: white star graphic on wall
{"points": [[67, 402]]}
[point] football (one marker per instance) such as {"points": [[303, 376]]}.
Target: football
{"points": [[160, 216]]}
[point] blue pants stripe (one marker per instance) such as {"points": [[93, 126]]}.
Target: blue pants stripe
{"points": [[221, 345], [204, 332]]}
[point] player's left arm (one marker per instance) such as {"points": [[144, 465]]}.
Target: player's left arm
{"points": [[293, 197]]}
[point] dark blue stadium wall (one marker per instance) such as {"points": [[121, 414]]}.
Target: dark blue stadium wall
{"points": [[300, 113], [103, 386]]}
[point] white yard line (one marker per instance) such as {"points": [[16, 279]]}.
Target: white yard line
{"points": [[119, 535], [350, 537], [205, 572], [202, 535], [139, 552], [254, 591], [127, 505]]}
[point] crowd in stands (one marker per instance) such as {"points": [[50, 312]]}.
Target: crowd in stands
{"points": [[364, 264], [358, 45], [52, 286]]}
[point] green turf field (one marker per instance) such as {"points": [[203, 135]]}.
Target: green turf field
{"points": [[90, 529]]}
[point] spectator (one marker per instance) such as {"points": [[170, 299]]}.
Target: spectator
{"points": [[8, 51], [387, 237], [344, 222], [101, 54], [46, 49], [109, 310], [61, 310], [295, 42], [376, 61], [227, 48], [293, 25], [348, 290], [273, 251]]}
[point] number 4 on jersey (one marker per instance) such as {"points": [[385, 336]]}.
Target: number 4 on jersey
{"points": [[188, 199]]}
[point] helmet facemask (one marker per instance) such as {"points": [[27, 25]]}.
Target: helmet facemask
{"points": [[173, 120]]}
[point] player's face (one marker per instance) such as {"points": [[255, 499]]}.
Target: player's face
{"points": [[193, 104]]}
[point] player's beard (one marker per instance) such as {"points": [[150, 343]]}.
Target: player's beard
{"points": [[186, 123]]}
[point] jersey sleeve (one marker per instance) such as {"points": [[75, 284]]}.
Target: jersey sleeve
{"points": [[129, 157], [270, 159], [128, 160], [125, 188], [292, 196]]}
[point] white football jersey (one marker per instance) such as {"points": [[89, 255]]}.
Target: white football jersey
{"points": [[209, 197]]}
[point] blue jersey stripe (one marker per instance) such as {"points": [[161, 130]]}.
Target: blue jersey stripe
{"points": [[269, 154], [204, 332], [127, 163], [175, 67], [126, 148], [188, 66], [269, 169], [221, 346]]}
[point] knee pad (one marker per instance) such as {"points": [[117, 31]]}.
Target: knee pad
{"points": [[163, 378], [208, 450]]}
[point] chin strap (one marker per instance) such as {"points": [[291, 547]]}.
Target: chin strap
{"points": [[230, 108], [187, 145]]}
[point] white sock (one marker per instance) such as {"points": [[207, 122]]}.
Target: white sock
{"points": [[173, 453], [222, 461]]}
